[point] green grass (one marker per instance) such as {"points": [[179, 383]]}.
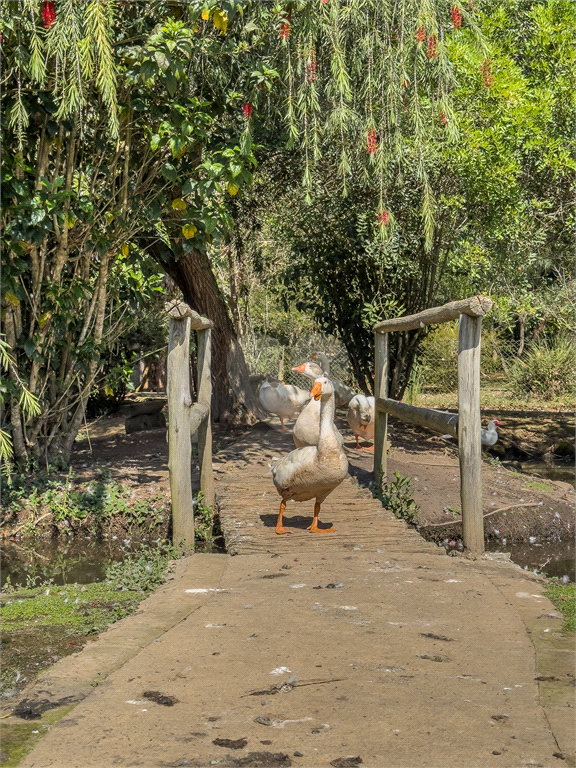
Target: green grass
{"points": [[564, 598], [533, 486]]}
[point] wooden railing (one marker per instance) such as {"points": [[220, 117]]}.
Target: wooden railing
{"points": [[186, 417], [466, 426]]}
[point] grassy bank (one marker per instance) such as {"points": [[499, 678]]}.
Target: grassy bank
{"points": [[44, 622]]}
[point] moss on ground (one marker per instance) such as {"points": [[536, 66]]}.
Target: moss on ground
{"points": [[563, 596], [18, 739]]}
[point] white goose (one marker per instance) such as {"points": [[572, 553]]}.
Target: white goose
{"points": [[342, 393], [284, 400], [312, 472], [360, 417], [306, 430]]}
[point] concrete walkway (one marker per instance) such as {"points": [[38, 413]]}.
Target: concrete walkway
{"points": [[341, 656]]}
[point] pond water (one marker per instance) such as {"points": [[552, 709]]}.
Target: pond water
{"points": [[563, 472], [553, 559], [79, 561]]}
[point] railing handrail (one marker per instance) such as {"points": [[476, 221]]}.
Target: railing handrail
{"points": [[466, 426]]}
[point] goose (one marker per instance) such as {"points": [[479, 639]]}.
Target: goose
{"points": [[342, 392], [314, 471], [284, 400], [307, 427], [360, 417]]}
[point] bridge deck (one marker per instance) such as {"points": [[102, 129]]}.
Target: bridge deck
{"points": [[249, 505]]}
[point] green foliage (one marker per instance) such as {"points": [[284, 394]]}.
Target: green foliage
{"points": [[205, 526], [51, 493], [564, 598], [547, 370], [142, 571], [397, 497]]}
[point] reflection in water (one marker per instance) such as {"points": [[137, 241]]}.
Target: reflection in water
{"points": [[564, 472], [551, 559], [81, 561]]}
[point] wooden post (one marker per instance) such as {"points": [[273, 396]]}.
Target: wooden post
{"points": [[469, 435], [205, 428], [179, 444], [380, 419]]}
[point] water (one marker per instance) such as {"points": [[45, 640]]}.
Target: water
{"points": [[80, 561], [553, 559], [563, 472]]}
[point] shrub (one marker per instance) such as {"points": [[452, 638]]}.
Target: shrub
{"points": [[546, 370]]}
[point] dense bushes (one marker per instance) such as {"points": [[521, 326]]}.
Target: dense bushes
{"points": [[547, 369]]}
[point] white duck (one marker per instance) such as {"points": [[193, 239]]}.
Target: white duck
{"points": [[285, 400], [342, 393], [360, 417], [306, 430], [314, 471], [488, 436]]}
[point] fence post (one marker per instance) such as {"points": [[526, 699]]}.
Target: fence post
{"points": [[380, 419], [205, 428], [469, 434], [179, 444]]}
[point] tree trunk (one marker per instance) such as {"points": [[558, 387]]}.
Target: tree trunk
{"points": [[233, 401]]}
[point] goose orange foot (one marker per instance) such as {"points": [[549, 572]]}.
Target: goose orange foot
{"points": [[279, 527], [314, 529]]}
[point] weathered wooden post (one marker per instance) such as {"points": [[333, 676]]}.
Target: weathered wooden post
{"points": [[179, 411], [469, 432], [205, 428], [380, 418], [466, 426], [185, 418]]}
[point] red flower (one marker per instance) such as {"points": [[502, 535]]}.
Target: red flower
{"points": [[311, 68], [432, 46], [371, 142], [456, 18], [284, 30], [247, 110], [383, 218], [48, 13], [420, 34], [486, 70], [443, 118]]}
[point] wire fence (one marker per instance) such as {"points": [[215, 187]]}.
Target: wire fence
{"points": [[269, 357], [506, 366]]}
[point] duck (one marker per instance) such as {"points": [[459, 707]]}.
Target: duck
{"points": [[488, 436], [342, 392], [284, 400], [306, 430], [360, 417], [313, 471]]}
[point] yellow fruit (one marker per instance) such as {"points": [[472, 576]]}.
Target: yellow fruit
{"points": [[220, 20], [179, 204], [189, 231], [125, 249], [232, 189]]}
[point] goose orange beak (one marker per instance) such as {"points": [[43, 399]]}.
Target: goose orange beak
{"points": [[299, 368], [316, 391]]}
